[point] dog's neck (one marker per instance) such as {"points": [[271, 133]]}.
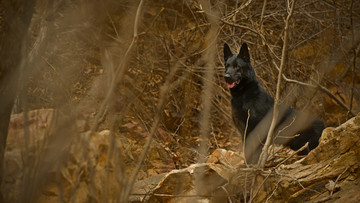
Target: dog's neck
{"points": [[243, 88]]}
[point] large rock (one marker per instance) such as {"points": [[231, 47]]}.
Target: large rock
{"points": [[329, 173], [331, 167], [86, 171]]}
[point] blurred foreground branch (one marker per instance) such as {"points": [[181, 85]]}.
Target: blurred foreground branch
{"points": [[119, 72], [15, 21]]}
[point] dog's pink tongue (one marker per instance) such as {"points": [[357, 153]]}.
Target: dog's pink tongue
{"points": [[230, 85]]}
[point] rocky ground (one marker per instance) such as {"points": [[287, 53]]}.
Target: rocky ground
{"points": [[330, 173]]}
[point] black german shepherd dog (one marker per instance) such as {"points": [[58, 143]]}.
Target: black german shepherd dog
{"points": [[252, 110]]}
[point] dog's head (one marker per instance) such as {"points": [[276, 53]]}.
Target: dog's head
{"points": [[237, 67]]}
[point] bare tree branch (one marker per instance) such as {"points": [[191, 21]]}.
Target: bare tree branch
{"points": [[119, 72], [264, 154]]}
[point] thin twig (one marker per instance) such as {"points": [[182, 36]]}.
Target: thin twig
{"points": [[354, 60], [352, 84], [293, 154], [334, 97], [244, 137], [245, 187], [273, 192], [337, 179], [259, 188], [237, 10], [264, 153], [238, 26], [262, 17], [227, 194], [322, 88]]}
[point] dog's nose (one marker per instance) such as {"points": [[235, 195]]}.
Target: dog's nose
{"points": [[227, 77]]}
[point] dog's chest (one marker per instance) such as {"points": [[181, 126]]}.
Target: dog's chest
{"points": [[242, 114], [238, 121], [249, 109]]}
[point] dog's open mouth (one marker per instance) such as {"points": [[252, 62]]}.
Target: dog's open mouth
{"points": [[233, 84]]}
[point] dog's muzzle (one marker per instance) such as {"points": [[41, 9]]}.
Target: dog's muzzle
{"points": [[227, 77], [229, 81]]}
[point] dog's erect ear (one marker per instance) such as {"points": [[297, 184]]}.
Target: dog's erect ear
{"points": [[227, 52], [244, 53]]}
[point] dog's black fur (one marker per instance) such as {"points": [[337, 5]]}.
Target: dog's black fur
{"points": [[247, 95]]}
